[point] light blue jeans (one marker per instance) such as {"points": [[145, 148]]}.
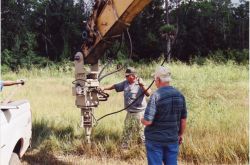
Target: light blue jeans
{"points": [[158, 154]]}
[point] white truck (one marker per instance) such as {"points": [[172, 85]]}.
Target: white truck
{"points": [[15, 131]]}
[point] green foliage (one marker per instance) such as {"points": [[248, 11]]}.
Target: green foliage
{"points": [[37, 32], [218, 56], [145, 32], [34, 32], [7, 56], [223, 57], [240, 57], [5, 69], [167, 28], [121, 58], [198, 60], [208, 26]]}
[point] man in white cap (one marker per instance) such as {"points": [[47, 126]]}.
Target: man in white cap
{"points": [[165, 121], [134, 100]]}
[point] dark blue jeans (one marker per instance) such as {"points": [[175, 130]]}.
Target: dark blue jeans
{"points": [[158, 154]]}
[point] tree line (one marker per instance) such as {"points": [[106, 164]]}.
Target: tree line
{"points": [[40, 32]]}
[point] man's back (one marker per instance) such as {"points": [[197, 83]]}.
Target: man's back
{"points": [[167, 106]]}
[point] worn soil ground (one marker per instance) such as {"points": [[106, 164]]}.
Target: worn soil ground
{"points": [[35, 158]]}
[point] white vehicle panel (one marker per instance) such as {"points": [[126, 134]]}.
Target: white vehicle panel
{"points": [[15, 120]]}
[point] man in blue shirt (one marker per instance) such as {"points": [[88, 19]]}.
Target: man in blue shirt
{"points": [[165, 121], [9, 83], [134, 98]]}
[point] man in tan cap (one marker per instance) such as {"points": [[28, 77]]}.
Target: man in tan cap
{"points": [[165, 120], [134, 98]]}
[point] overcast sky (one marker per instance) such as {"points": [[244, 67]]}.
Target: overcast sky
{"points": [[235, 1]]}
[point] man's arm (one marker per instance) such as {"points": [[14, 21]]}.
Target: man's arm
{"points": [[9, 83], [111, 87], [118, 87], [183, 124], [144, 88], [183, 121], [149, 112], [146, 92]]}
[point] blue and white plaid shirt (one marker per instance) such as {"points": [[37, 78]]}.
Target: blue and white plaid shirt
{"points": [[165, 109]]}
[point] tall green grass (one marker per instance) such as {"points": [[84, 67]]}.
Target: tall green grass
{"points": [[217, 100]]}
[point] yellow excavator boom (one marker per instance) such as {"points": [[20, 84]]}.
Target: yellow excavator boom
{"points": [[107, 23]]}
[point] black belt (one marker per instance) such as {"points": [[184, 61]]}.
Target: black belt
{"points": [[134, 112]]}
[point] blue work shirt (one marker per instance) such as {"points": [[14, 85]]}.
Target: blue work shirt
{"points": [[131, 92], [165, 109]]}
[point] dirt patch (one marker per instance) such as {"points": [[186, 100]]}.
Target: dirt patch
{"points": [[37, 158]]}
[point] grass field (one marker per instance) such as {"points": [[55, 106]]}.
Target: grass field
{"points": [[217, 100]]}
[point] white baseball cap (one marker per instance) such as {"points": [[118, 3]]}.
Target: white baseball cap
{"points": [[163, 73]]}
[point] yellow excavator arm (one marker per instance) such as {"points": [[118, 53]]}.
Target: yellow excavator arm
{"points": [[108, 21]]}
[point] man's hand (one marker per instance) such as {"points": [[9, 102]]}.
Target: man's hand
{"points": [[140, 82], [180, 140], [20, 82], [146, 90], [145, 122]]}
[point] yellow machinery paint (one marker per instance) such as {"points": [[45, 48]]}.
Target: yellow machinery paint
{"points": [[115, 16]]}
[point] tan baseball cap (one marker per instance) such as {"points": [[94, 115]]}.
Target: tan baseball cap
{"points": [[130, 70], [163, 73]]}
